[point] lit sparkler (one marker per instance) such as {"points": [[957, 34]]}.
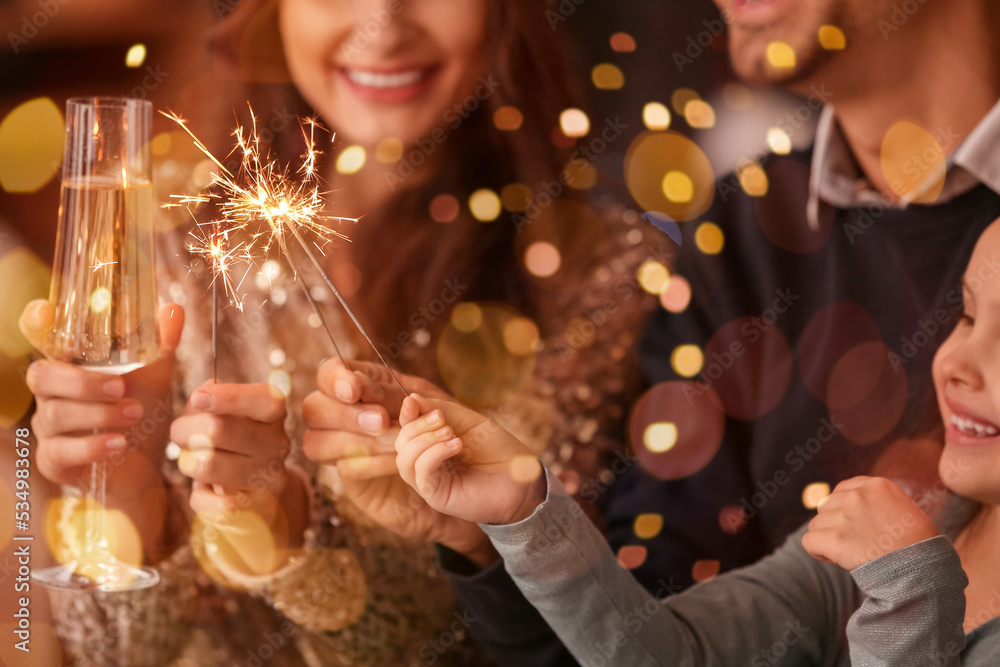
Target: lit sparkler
{"points": [[291, 206]]}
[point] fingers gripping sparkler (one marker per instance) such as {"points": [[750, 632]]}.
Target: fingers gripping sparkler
{"points": [[292, 208]]}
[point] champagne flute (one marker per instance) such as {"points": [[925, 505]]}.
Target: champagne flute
{"points": [[104, 292]]}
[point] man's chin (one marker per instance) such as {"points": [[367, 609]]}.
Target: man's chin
{"points": [[752, 66]]}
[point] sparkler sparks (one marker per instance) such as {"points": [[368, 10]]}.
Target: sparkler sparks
{"points": [[214, 244], [264, 191]]}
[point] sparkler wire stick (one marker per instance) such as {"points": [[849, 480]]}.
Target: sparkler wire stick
{"points": [[312, 302], [344, 304], [215, 331]]}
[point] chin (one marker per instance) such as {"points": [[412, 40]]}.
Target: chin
{"points": [[748, 56], [970, 475]]}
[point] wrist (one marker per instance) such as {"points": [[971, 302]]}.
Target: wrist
{"points": [[534, 495], [476, 547]]}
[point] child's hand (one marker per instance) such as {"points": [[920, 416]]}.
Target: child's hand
{"points": [[863, 519], [496, 480]]}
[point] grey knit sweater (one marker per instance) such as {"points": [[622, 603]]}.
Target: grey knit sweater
{"points": [[905, 608]]}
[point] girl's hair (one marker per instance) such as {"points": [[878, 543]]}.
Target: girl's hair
{"points": [[406, 259]]}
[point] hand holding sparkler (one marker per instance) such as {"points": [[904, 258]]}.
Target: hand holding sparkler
{"points": [[232, 439]]}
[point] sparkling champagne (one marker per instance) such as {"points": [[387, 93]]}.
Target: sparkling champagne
{"points": [[103, 284]]}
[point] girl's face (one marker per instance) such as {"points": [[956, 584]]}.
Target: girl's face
{"points": [[967, 380], [376, 69]]}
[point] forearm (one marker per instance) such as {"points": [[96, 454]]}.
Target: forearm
{"points": [[507, 626], [914, 607]]}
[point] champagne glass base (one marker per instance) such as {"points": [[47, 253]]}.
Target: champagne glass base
{"points": [[104, 577]]}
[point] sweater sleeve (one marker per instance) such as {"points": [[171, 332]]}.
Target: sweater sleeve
{"points": [[787, 607], [914, 608]]}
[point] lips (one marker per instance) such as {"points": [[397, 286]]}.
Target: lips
{"points": [[754, 12], [974, 427], [968, 429], [397, 84]]}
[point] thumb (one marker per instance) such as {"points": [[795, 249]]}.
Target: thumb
{"points": [[35, 321], [171, 323]]}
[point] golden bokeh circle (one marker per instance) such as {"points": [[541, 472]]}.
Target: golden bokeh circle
{"points": [[485, 365], [31, 145], [654, 155]]}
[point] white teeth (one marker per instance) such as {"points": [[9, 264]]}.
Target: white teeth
{"points": [[376, 80], [974, 428]]}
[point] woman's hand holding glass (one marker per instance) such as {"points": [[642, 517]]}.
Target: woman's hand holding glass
{"points": [[84, 417]]}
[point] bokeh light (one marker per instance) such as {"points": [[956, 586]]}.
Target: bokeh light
{"points": [[389, 150], [652, 157], [749, 363], [31, 145], [660, 437], [485, 205], [677, 295], [24, 277], [476, 363], [135, 56], [780, 55], [647, 526], [678, 188], [778, 141], [699, 114], [542, 259], [699, 422], [687, 360], [656, 116], [632, 556], [653, 276], [467, 317], [574, 123], [607, 77], [508, 119], [732, 520], [753, 179], [814, 494], [100, 299], [866, 394], [703, 570], [516, 197], [581, 174], [351, 160], [622, 42], [911, 158], [709, 238], [680, 98], [577, 234], [521, 336], [828, 336], [444, 208], [66, 521], [832, 38]]}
